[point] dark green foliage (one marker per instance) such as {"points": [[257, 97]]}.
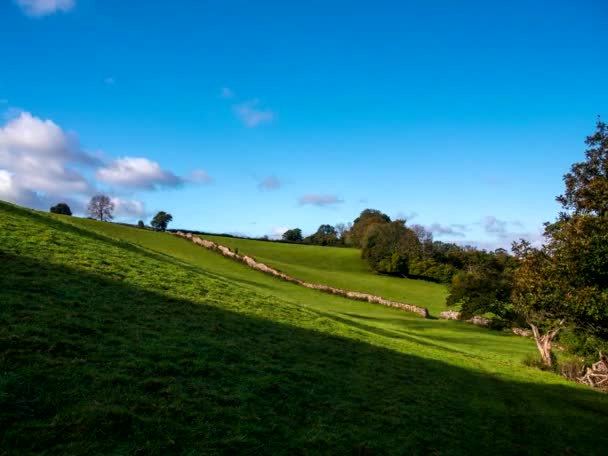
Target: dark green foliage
{"points": [[161, 220], [61, 208], [565, 282], [587, 182], [431, 269], [389, 247], [582, 343], [368, 218], [293, 235], [485, 287], [140, 224], [325, 235]]}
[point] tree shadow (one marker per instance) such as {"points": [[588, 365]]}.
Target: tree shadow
{"points": [[90, 365]]}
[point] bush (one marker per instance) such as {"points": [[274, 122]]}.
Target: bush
{"points": [[572, 368], [582, 344], [61, 208], [534, 360]]}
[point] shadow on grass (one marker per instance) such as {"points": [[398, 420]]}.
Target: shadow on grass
{"points": [[92, 366]]}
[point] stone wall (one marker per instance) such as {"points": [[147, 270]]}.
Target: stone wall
{"points": [[249, 261]]}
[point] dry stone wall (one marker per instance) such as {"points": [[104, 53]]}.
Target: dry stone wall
{"points": [[249, 261]]}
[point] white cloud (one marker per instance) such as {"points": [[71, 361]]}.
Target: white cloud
{"points": [[41, 164], [137, 172], [128, 208], [252, 116], [10, 190], [270, 183], [41, 159], [319, 200], [141, 173], [39, 8]]}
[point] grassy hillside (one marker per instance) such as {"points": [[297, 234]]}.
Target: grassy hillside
{"points": [[341, 268], [115, 340]]}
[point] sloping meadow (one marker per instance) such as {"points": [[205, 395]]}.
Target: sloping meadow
{"points": [[118, 340]]}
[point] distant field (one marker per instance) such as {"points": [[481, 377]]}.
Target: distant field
{"points": [[341, 268], [115, 340]]}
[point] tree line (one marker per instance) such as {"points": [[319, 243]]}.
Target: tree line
{"points": [[561, 286], [392, 247], [101, 208]]}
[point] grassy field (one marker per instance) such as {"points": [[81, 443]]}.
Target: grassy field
{"points": [[115, 340], [338, 267]]}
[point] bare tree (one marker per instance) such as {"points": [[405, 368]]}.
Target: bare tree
{"points": [[101, 208]]}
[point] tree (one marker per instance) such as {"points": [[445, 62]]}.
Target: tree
{"points": [[485, 286], [366, 219], [342, 230], [101, 208], [587, 181], [61, 208], [293, 235], [566, 280], [161, 220], [141, 224], [325, 235], [389, 247]]}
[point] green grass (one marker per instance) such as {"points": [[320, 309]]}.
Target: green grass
{"points": [[115, 340], [341, 268]]}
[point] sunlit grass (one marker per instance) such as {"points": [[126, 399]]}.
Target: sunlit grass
{"points": [[115, 340]]}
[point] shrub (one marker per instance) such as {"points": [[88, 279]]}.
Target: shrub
{"points": [[534, 360]]}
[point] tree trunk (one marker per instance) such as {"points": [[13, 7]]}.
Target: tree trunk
{"points": [[544, 342]]}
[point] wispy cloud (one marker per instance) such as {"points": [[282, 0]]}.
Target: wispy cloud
{"points": [[315, 199], [446, 230], [225, 92], [251, 115], [144, 174], [408, 216], [128, 208], [270, 183], [499, 228], [40, 8], [137, 173], [198, 176]]}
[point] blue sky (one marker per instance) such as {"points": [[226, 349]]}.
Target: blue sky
{"points": [[252, 117]]}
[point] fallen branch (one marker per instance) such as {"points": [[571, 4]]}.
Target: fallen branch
{"points": [[596, 376]]}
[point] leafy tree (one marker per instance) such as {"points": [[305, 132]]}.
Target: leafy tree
{"points": [[587, 182], [389, 247], [293, 235], [161, 220], [366, 219], [325, 235], [485, 286], [101, 208], [141, 224], [61, 208], [566, 280]]}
